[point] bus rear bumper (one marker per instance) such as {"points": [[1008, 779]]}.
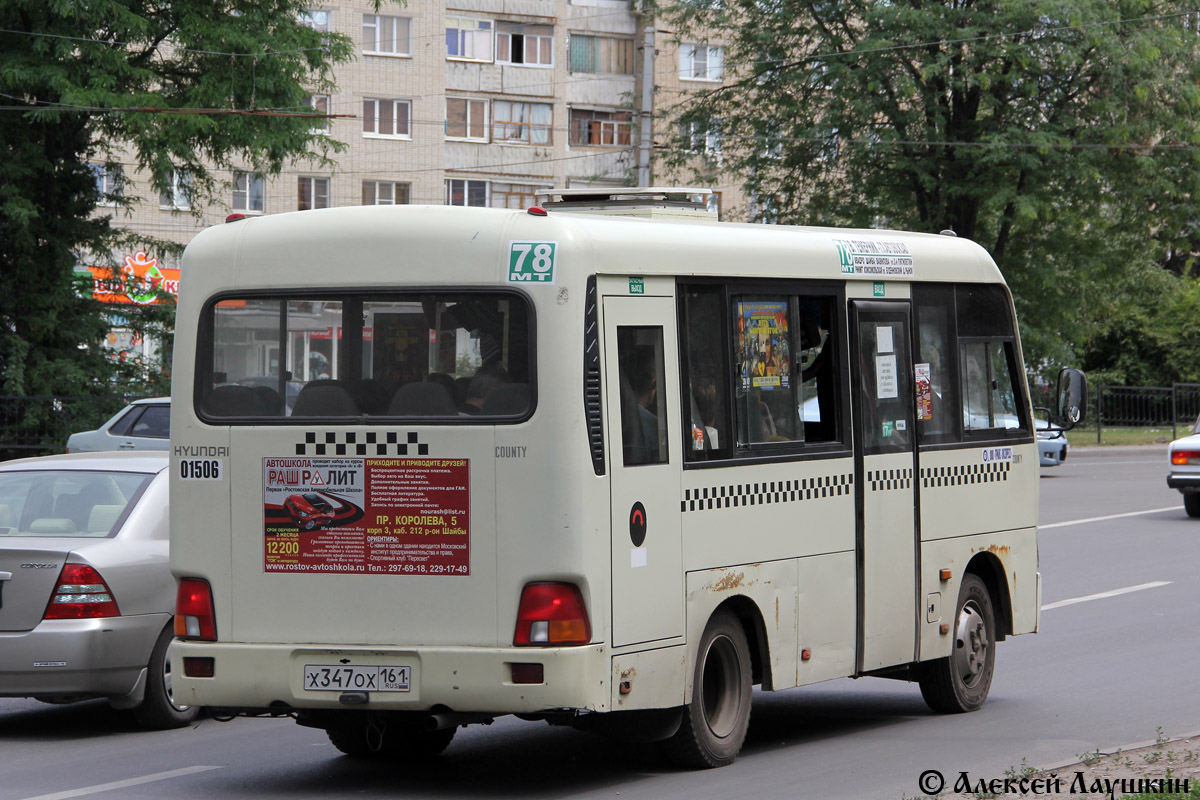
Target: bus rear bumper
{"points": [[262, 677]]}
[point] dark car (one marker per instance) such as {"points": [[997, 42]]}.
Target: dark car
{"points": [[309, 510]]}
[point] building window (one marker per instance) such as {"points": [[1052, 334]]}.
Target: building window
{"points": [[466, 193], [314, 18], [387, 118], [698, 137], [466, 119], [320, 104], [178, 193], [601, 54], [110, 182], [312, 193], [524, 44], [515, 195], [521, 123], [600, 128], [469, 39], [385, 193], [701, 62], [248, 192], [390, 36]]}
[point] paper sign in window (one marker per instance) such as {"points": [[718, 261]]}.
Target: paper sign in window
{"points": [[886, 379], [885, 343]]}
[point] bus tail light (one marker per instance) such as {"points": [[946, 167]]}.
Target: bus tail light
{"points": [[552, 613], [195, 617], [1181, 458], [81, 594]]}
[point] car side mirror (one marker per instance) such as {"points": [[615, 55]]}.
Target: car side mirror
{"points": [[1071, 398]]}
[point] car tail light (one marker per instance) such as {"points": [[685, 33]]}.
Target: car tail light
{"points": [[1181, 458], [81, 594], [552, 613], [194, 614]]}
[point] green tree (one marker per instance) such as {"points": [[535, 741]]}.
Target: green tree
{"points": [[192, 87], [1062, 136]]}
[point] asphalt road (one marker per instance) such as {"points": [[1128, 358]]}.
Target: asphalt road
{"points": [[1114, 664]]}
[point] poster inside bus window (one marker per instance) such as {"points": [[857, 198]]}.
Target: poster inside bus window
{"points": [[764, 349]]}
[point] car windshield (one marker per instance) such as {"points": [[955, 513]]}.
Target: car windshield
{"points": [[66, 503]]}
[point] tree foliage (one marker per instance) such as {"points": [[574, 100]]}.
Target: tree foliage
{"points": [[1062, 136], [179, 85]]}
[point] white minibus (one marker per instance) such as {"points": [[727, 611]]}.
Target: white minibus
{"points": [[607, 463]]}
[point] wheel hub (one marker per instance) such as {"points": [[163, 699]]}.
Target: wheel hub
{"points": [[971, 646]]}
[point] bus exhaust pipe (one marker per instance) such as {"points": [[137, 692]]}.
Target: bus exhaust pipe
{"points": [[451, 719]]}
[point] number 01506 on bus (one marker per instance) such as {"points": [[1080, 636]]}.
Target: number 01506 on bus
{"points": [[341, 678]]}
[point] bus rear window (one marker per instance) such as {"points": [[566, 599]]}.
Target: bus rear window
{"points": [[449, 357]]}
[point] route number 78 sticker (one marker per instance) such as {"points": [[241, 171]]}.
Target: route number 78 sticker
{"points": [[531, 262]]}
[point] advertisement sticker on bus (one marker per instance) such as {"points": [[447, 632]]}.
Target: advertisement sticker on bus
{"points": [[386, 516], [763, 345]]}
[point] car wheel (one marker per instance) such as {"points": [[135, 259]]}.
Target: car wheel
{"points": [[961, 681], [159, 710], [376, 736], [1191, 503], [716, 720]]}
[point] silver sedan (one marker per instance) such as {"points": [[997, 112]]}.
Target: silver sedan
{"points": [[86, 595]]}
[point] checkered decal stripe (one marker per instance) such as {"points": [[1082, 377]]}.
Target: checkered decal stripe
{"points": [[965, 474], [352, 443], [757, 494], [888, 480]]}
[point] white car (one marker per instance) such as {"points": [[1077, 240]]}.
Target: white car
{"points": [[1185, 469], [1052, 444], [141, 425], [86, 593]]}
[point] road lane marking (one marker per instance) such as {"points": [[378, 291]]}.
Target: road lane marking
{"points": [[1072, 601], [108, 787], [1102, 519]]}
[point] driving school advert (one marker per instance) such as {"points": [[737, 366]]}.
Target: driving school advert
{"points": [[386, 516]]}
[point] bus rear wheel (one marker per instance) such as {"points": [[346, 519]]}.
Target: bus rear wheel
{"points": [[961, 681], [716, 720], [380, 736]]}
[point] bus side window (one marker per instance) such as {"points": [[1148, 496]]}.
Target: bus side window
{"points": [[708, 390], [643, 405], [818, 370], [937, 411], [987, 358]]}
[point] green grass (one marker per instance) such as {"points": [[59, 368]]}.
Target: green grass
{"points": [[1123, 436]]}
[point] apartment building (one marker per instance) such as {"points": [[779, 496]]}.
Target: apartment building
{"points": [[463, 102]]}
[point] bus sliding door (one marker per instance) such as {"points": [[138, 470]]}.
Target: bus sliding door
{"points": [[641, 382], [884, 436]]}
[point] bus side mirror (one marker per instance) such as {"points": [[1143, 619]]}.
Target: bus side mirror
{"points": [[1071, 398]]}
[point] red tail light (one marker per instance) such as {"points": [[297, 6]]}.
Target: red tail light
{"points": [[1181, 458], [194, 614], [81, 594], [552, 613]]}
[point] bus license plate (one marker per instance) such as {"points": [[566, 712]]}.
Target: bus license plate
{"points": [[339, 678]]}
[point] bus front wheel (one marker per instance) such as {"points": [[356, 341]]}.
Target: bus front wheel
{"points": [[960, 682], [716, 720]]}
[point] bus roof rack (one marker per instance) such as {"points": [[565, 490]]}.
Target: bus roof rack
{"points": [[675, 202]]}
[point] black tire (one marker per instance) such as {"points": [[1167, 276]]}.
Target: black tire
{"points": [[1191, 503], [158, 710], [716, 720], [379, 736], [961, 681]]}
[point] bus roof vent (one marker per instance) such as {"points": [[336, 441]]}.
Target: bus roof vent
{"points": [[676, 202]]}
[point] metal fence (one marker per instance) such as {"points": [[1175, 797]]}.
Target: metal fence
{"points": [[32, 426], [1175, 407]]}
